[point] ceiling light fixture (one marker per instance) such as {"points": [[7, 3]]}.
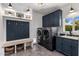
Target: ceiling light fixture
{"points": [[9, 8], [10, 5], [71, 9], [27, 10], [41, 4]]}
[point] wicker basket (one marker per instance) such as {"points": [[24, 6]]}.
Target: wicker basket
{"points": [[9, 49]]}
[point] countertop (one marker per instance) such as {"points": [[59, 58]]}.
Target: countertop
{"points": [[70, 37]]}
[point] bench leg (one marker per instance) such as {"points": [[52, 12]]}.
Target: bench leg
{"points": [[15, 49], [24, 46], [32, 44]]}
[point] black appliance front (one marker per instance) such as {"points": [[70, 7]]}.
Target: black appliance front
{"points": [[16, 30], [46, 38], [39, 36]]}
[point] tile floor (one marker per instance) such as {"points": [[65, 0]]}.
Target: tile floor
{"points": [[37, 50]]}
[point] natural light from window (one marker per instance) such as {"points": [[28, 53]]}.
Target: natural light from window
{"points": [[72, 23]]}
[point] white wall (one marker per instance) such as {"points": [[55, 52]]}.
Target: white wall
{"points": [[34, 24], [1, 25], [1, 33]]}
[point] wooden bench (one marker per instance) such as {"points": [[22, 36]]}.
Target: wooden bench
{"points": [[14, 43]]}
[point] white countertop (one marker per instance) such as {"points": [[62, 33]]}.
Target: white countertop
{"points": [[71, 37]]}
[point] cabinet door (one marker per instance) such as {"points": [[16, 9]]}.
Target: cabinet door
{"points": [[74, 48], [22, 30], [25, 29], [59, 44], [52, 18], [46, 21], [66, 47], [56, 17], [10, 30], [18, 30]]}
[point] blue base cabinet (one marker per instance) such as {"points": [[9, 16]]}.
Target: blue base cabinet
{"points": [[67, 46], [74, 48], [58, 44]]}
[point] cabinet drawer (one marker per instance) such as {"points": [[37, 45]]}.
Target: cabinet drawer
{"points": [[74, 42], [66, 47], [74, 50], [67, 52]]}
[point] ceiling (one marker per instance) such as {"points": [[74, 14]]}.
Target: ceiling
{"points": [[43, 9]]}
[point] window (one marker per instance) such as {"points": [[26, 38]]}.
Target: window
{"points": [[72, 24], [76, 23], [69, 24]]}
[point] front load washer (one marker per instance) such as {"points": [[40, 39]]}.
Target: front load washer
{"points": [[48, 38], [39, 36]]}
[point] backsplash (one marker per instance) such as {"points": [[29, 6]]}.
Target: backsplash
{"points": [[67, 32], [75, 32]]}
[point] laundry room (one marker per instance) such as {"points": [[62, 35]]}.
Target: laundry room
{"points": [[39, 29]]}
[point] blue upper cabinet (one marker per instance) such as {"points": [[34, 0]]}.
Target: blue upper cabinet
{"points": [[52, 19], [46, 20]]}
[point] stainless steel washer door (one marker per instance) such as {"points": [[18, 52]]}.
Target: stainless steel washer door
{"points": [[45, 34]]}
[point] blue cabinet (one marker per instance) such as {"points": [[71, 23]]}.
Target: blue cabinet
{"points": [[46, 21], [16, 30], [74, 47], [55, 18], [22, 30], [59, 44], [52, 19], [67, 46], [25, 30], [10, 30]]}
